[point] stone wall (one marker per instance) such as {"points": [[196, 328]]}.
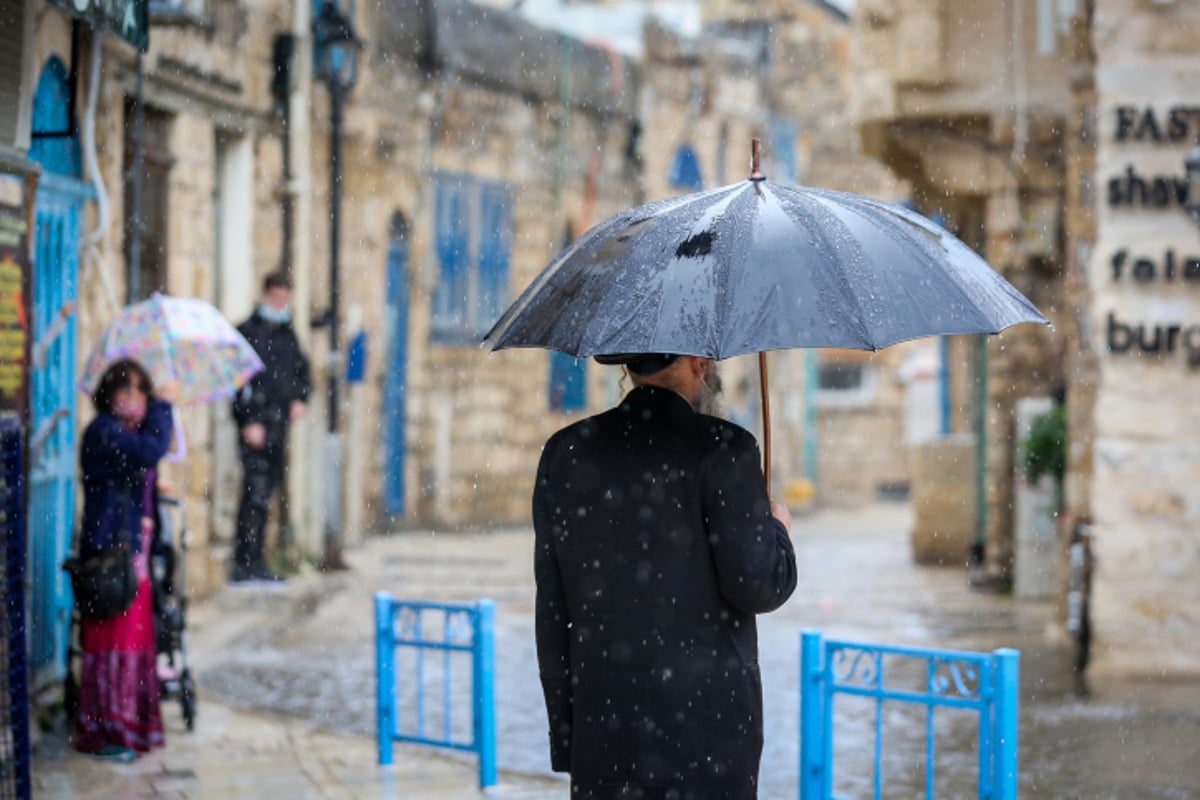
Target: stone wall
{"points": [[476, 421], [1146, 456], [943, 496], [938, 87], [806, 83], [862, 449]]}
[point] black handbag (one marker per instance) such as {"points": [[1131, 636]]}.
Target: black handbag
{"points": [[104, 583]]}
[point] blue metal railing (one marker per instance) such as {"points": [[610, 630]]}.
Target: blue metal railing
{"points": [[985, 683], [437, 629]]}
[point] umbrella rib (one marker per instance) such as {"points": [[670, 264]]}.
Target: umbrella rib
{"points": [[851, 293], [796, 268], [956, 278]]}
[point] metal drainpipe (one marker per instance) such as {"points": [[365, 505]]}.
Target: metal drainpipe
{"points": [[134, 280], [333, 440], [288, 203], [299, 512], [337, 100], [944, 383], [981, 450], [811, 431]]}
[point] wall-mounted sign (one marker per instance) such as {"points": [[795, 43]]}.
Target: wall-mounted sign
{"points": [[14, 322], [1133, 189], [1178, 124], [128, 19], [1175, 270]]}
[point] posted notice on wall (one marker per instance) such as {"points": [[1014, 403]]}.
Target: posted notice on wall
{"points": [[14, 263]]}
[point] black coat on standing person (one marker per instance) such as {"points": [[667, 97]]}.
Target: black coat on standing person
{"points": [[263, 410], [267, 397], [655, 549]]}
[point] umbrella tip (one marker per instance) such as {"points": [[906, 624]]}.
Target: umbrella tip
{"points": [[755, 150]]}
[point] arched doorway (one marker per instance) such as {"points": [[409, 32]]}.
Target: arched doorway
{"points": [[395, 385], [685, 170], [59, 214]]}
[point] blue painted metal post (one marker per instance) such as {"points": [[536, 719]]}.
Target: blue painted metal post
{"points": [[485, 691], [944, 382], [812, 749], [385, 677], [812, 451], [1007, 709]]}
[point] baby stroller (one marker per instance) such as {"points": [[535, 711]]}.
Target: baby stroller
{"points": [[168, 588], [169, 583]]}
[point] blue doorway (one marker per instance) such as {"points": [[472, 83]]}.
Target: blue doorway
{"points": [[395, 384], [59, 213]]}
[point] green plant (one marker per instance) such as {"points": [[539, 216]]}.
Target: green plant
{"points": [[1046, 446]]}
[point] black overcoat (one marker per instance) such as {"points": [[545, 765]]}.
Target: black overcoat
{"points": [[655, 549], [266, 398]]}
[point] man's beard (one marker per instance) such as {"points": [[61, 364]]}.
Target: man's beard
{"points": [[709, 401]]}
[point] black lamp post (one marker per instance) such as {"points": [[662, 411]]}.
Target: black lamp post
{"points": [[335, 55], [1192, 164]]}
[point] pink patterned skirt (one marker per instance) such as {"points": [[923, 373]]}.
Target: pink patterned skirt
{"points": [[118, 684]]}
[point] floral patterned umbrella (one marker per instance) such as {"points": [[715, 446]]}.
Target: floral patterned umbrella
{"points": [[181, 339]]}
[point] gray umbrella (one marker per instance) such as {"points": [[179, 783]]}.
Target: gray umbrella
{"points": [[759, 266]]}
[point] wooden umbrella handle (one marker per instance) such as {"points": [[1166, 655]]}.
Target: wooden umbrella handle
{"points": [[766, 418]]}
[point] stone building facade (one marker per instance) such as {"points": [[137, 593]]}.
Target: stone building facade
{"points": [[473, 122], [781, 71], [210, 174], [967, 101], [1134, 463], [475, 146], [1063, 162]]}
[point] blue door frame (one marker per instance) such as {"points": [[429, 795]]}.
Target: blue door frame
{"points": [[52, 474], [59, 207], [396, 380]]}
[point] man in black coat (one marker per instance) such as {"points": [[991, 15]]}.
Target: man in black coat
{"points": [[271, 401], [656, 546]]}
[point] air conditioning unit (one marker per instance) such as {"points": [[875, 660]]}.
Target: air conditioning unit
{"points": [[16, 73]]}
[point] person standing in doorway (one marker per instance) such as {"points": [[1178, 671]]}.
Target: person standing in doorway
{"points": [[656, 545], [263, 410]]}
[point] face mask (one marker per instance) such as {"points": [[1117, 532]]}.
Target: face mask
{"points": [[277, 315], [131, 412]]}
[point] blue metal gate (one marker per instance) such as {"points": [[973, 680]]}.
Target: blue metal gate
{"points": [[59, 208], [984, 683], [443, 630], [59, 212], [396, 379]]}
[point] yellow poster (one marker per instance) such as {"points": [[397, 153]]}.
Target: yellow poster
{"points": [[14, 320]]}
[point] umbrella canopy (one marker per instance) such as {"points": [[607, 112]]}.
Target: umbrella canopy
{"points": [[759, 266], [180, 339]]}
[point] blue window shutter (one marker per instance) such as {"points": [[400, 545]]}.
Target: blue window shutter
{"points": [[568, 382], [685, 170], [783, 149], [495, 247], [450, 298]]}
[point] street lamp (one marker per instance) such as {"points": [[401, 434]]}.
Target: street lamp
{"points": [[1192, 164], [335, 56]]}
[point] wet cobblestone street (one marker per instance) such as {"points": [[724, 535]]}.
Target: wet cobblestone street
{"points": [[857, 581]]}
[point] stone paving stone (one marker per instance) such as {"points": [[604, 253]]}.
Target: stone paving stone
{"points": [[236, 754]]}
